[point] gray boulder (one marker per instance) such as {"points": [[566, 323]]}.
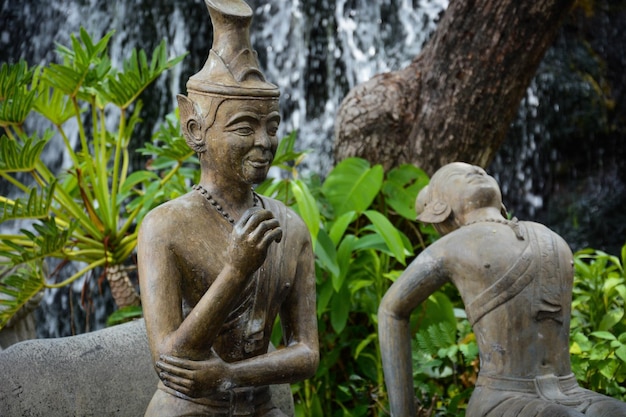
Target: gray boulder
{"points": [[103, 373]]}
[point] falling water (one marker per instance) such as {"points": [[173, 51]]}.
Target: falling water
{"points": [[314, 50]]}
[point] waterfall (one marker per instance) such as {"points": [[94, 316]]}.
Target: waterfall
{"points": [[316, 51]]}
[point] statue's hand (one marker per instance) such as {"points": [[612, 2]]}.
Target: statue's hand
{"points": [[250, 239], [194, 378]]}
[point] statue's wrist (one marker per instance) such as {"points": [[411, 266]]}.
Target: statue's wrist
{"points": [[235, 272]]}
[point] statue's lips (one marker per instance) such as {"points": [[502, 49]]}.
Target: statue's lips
{"points": [[259, 163]]}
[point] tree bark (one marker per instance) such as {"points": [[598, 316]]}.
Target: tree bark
{"points": [[457, 98]]}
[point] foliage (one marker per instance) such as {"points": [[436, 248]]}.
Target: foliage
{"points": [[598, 326], [362, 224], [445, 357], [87, 213], [356, 261]]}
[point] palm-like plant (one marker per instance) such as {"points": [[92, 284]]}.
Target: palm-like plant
{"points": [[90, 211]]}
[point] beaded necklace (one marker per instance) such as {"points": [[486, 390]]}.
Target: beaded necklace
{"points": [[217, 206]]}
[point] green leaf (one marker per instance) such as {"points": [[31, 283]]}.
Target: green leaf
{"points": [[285, 151], [340, 225], [84, 66], [352, 185], [363, 344], [340, 309], [123, 88], [49, 242], [373, 241], [17, 287], [16, 96], [390, 234], [437, 309], [610, 319], [325, 292], [14, 75], [36, 207], [168, 146], [124, 315], [401, 188], [138, 177], [604, 335], [16, 157], [344, 259], [326, 254], [307, 207], [54, 105]]}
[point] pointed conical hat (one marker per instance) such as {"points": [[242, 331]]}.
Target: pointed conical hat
{"points": [[232, 68]]}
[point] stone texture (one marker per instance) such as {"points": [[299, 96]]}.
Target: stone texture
{"points": [[102, 373]]}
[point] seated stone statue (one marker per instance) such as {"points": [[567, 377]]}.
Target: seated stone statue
{"points": [[515, 279], [219, 264]]}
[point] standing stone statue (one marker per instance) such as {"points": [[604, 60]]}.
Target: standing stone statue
{"points": [[220, 263], [515, 279]]}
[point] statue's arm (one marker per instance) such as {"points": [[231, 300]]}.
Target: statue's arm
{"points": [[299, 358], [423, 277], [161, 278], [296, 361]]}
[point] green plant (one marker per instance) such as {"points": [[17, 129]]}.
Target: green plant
{"points": [[361, 224], [89, 212], [598, 326], [445, 357]]}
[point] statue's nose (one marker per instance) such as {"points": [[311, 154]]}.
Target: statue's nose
{"points": [[263, 139]]}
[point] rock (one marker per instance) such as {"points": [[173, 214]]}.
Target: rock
{"points": [[103, 373]]}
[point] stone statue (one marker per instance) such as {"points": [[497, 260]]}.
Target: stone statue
{"points": [[220, 263], [515, 279]]}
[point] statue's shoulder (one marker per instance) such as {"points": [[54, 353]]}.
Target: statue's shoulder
{"points": [[282, 212], [543, 230], [288, 218], [171, 215]]}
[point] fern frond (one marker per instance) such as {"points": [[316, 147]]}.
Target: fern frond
{"points": [[168, 145], [54, 105], [436, 336], [17, 288], [14, 75], [36, 207], [49, 242], [425, 343], [125, 87], [16, 157], [17, 95], [84, 65]]}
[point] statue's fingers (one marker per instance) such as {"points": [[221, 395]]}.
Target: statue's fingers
{"points": [[273, 235], [176, 362], [174, 370], [262, 229], [175, 383]]}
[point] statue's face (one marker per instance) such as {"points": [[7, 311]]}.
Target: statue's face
{"points": [[469, 187], [242, 141]]}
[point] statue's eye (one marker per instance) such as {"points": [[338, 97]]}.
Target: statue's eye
{"points": [[243, 130], [272, 126]]}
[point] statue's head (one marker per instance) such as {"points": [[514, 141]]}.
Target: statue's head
{"points": [[453, 191], [231, 74]]}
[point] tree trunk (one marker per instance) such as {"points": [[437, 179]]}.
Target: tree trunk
{"points": [[457, 98]]}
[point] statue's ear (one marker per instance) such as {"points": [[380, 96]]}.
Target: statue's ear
{"points": [[191, 123], [435, 212]]}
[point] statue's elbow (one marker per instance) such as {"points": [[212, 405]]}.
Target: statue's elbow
{"points": [[310, 361]]}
